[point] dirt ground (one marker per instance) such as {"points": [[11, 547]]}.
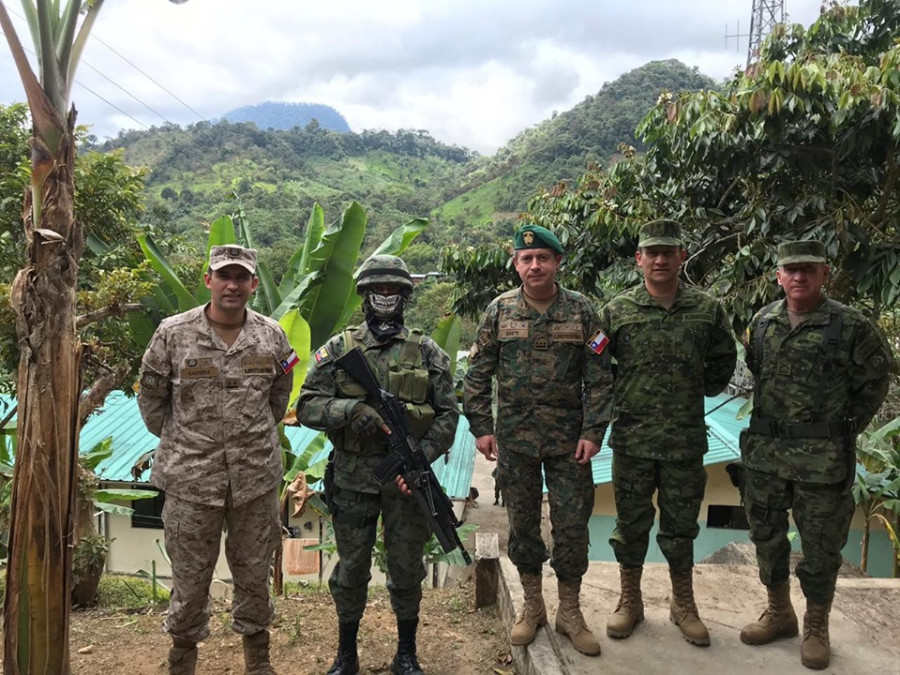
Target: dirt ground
{"points": [[453, 637]]}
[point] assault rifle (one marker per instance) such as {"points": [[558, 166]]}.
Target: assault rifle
{"points": [[406, 457]]}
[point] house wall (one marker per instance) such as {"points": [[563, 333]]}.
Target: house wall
{"points": [[719, 491]]}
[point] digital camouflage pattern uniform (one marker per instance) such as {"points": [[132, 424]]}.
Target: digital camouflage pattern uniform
{"points": [[666, 362], [816, 386], [413, 368], [215, 409], [552, 390]]}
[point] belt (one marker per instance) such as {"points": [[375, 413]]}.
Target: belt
{"points": [[781, 429]]}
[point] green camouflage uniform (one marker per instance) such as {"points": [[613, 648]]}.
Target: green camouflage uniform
{"points": [[417, 371], [552, 390], [215, 409], [812, 394], [666, 362]]}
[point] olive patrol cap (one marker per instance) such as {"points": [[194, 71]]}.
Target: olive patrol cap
{"points": [[222, 256], [535, 236], [791, 252], [659, 233]]}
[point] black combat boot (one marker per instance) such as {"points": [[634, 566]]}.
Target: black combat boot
{"points": [[405, 662], [347, 661]]}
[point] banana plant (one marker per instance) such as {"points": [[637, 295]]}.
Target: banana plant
{"points": [[316, 295]]}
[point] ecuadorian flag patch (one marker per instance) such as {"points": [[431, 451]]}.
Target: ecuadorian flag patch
{"points": [[321, 354]]}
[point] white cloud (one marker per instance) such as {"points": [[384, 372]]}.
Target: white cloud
{"points": [[474, 73]]}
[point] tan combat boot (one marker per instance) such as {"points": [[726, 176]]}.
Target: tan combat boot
{"points": [[570, 620], [630, 609], [256, 654], [815, 652], [534, 614], [182, 657], [683, 611], [778, 620]]}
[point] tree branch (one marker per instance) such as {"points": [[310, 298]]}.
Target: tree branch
{"points": [[93, 399], [111, 310]]}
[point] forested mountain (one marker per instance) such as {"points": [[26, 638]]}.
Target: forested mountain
{"points": [[275, 115], [561, 147], [277, 175]]}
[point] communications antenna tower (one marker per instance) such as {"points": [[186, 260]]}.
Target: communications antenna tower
{"points": [[765, 16]]}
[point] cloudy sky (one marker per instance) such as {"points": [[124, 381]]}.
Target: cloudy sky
{"points": [[471, 72]]}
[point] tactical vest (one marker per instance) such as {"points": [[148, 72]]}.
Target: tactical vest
{"points": [[831, 334], [407, 381]]}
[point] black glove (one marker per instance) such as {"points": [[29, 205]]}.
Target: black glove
{"points": [[365, 420]]}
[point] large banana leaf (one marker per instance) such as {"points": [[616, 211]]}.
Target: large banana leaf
{"points": [[334, 259], [395, 244], [221, 233], [447, 334], [158, 262], [298, 264], [297, 330], [267, 297], [291, 300]]}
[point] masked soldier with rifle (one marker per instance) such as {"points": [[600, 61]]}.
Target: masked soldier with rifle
{"points": [[821, 371], [415, 371]]}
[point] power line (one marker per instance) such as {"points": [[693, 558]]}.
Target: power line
{"points": [[125, 91], [137, 68]]}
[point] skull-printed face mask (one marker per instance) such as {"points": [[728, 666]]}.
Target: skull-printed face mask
{"points": [[386, 306]]}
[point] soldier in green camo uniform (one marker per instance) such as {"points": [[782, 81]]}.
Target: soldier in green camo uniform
{"points": [[672, 346], [821, 371], [544, 345], [415, 370]]}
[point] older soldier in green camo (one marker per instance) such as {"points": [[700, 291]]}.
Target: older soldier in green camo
{"points": [[415, 370], [672, 346], [821, 371], [544, 346]]}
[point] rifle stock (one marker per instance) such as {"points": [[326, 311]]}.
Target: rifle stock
{"points": [[406, 457]]}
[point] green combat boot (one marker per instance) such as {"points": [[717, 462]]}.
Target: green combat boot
{"points": [[256, 654], [182, 657], [534, 613], [778, 620], [815, 652], [570, 620], [630, 608], [683, 611]]}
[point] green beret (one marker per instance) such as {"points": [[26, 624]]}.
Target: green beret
{"points": [[535, 236], [660, 233], [790, 252]]}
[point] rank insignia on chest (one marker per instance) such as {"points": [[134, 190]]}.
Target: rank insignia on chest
{"points": [[289, 361], [598, 342], [541, 343]]}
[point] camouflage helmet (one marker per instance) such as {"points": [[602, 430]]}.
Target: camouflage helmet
{"points": [[383, 269]]}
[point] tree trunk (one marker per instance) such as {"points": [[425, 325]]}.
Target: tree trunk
{"points": [[38, 583]]}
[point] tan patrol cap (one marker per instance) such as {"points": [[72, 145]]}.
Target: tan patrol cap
{"points": [[222, 256]]}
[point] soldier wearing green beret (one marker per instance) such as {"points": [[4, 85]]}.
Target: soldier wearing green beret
{"points": [[821, 371], [544, 346], [672, 346]]}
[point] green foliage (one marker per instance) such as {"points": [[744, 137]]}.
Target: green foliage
{"points": [[89, 555], [803, 144], [119, 592]]}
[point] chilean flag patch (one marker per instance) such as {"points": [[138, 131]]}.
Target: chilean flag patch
{"points": [[289, 361], [598, 342]]}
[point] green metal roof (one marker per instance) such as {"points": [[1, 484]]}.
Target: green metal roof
{"points": [[120, 418], [722, 431]]}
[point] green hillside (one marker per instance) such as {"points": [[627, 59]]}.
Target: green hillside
{"points": [[197, 173], [560, 148]]}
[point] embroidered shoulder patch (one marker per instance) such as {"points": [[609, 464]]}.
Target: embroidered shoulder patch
{"points": [[598, 342], [322, 355], [289, 361]]}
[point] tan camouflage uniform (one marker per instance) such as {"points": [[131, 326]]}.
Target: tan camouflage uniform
{"points": [[215, 409], [552, 390]]}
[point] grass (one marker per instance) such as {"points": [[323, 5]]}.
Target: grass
{"points": [[121, 592]]}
